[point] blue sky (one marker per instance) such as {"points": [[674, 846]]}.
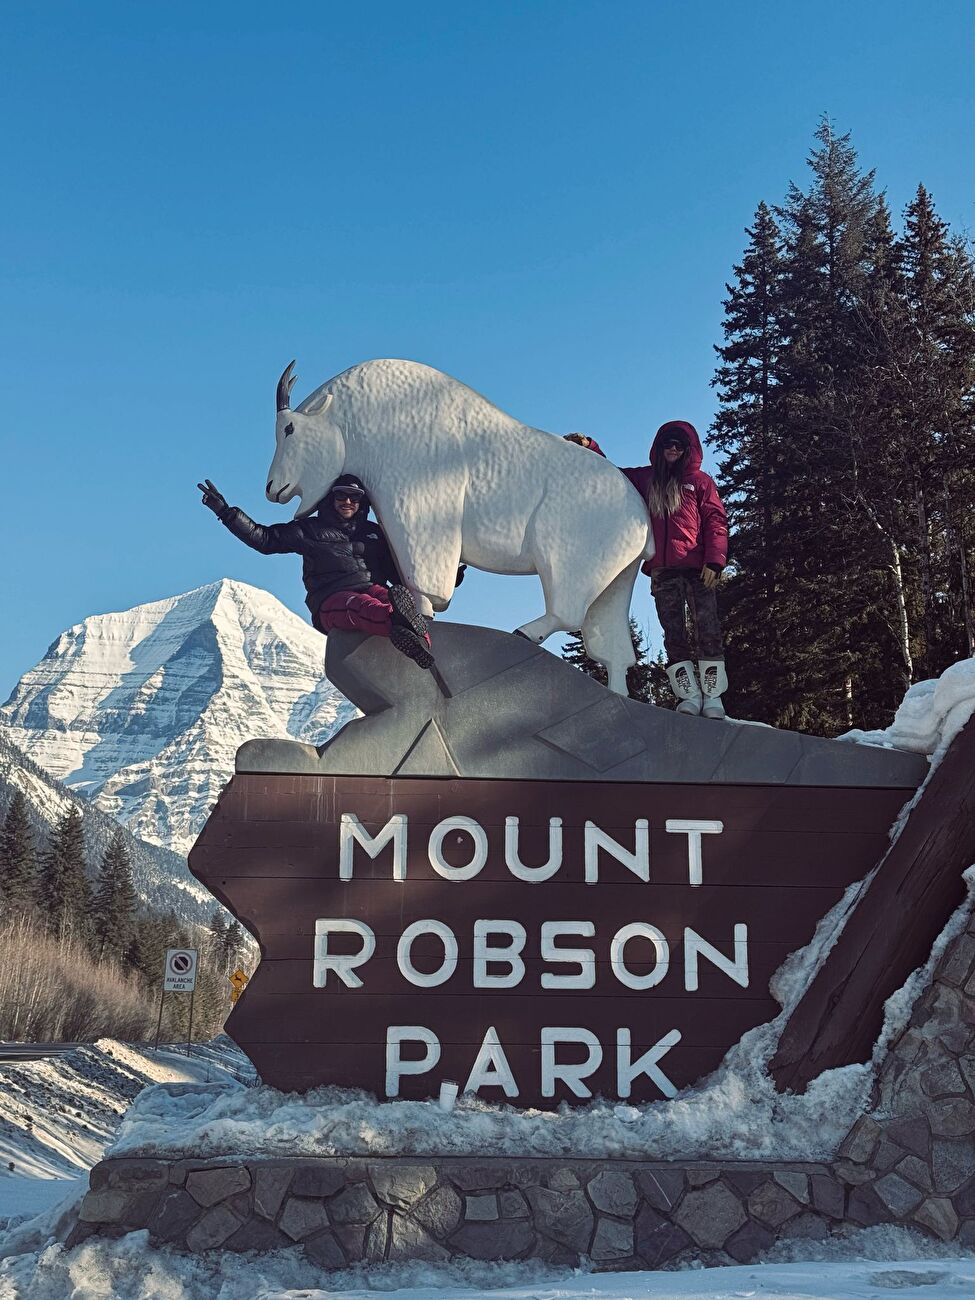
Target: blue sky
{"points": [[543, 199]]}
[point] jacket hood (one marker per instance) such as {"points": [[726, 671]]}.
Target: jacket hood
{"points": [[326, 507], [695, 452]]}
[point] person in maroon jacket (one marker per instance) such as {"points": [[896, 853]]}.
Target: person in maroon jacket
{"points": [[690, 530]]}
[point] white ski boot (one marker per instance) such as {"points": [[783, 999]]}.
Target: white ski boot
{"points": [[684, 684], [714, 682]]}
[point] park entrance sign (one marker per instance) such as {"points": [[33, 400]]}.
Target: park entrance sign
{"points": [[462, 890], [533, 941]]}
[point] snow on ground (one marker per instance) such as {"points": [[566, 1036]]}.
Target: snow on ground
{"points": [[58, 1113], [930, 715], [865, 1266]]}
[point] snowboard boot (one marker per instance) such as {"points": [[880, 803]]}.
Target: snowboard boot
{"points": [[414, 647], [406, 614], [683, 682], [714, 682]]}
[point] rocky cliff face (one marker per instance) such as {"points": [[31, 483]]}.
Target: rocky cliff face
{"points": [[142, 711]]}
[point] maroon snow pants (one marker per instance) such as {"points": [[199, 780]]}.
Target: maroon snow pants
{"points": [[366, 611]]}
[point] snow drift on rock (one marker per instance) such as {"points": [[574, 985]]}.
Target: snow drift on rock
{"points": [[143, 711], [58, 1113], [930, 715], [865, 1265]]}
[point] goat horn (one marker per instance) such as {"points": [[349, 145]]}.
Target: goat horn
{"points": [[285, 385]]}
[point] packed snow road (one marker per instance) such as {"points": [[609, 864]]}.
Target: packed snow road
{"points": [[34, 1051], [59, 1112]]}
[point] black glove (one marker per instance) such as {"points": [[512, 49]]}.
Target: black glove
{"points": [[460, 575], [212, 498]]}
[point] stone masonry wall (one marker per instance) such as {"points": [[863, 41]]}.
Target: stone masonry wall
{"points": [[910, 1160], [619, 1214]]}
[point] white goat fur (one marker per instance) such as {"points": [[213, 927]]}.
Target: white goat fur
{"points": [[452, 478]]}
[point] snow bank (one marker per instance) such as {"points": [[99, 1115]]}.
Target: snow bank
{"points": [[930, 715], [128, 1269], [58, 1114]]}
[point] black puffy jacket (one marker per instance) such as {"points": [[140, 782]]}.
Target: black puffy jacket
{"points": [[337, 555]]}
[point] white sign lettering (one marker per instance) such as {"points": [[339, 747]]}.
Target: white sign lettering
{"points": [[396, 1067], [343, 964], [488, 954], [352, 832], [512, 859], [595, 840], [500, 955]]}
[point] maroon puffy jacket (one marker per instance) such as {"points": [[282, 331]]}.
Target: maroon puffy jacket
{"points": [[697, 533]]}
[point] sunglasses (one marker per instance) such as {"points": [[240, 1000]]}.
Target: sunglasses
{"points": [[347, 496], [672, 442]]}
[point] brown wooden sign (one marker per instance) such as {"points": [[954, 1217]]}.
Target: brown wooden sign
{"points": [[532, 941]]}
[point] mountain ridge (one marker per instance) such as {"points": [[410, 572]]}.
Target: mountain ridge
{"points": [[142, 710], [161, 877]]}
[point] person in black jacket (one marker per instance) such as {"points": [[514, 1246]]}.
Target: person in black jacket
{"points": [[348, 569]]}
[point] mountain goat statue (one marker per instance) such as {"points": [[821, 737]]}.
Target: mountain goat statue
{"points": [[453, 480]]}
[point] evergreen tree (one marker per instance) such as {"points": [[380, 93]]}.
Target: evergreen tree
{"points": [[114, 903], [829, 550], [17, 863], [750, 431], [874, 495], [217, 931], [646, 680], [233, 946], [936, 388], [62, 892], [147, 949], [801, 587]]}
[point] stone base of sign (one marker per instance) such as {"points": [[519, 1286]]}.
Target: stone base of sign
{"points": [[911, 1161]]}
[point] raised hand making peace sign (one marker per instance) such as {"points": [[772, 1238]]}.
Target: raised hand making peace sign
{"points": [[212, 499]]}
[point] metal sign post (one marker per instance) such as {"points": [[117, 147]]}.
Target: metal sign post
{"points": [[180, 977], [162, 996]]}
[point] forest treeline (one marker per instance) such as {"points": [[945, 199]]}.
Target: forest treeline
{"points": [[83, 958], [846, 440], [846, 430]]}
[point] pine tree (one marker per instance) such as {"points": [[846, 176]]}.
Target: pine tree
{"points": [[217, 931], [749, 430], [875, 494], [830, 552], [17, 861], [62, 892], [801, 587], [114, 903], [233, 946], [937, 385], [646, 680], [152, 935]]}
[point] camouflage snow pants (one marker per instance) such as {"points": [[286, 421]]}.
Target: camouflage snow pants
{"points": [[675, 591]]}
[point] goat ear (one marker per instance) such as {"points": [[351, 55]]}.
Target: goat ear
{"points": [[319, 405]]}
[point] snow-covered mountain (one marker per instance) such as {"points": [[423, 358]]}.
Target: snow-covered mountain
{"points": [[142, 711], [161, 878]]}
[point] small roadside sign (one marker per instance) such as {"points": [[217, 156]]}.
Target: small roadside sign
{"points": [[180, 973], [239, 981]]}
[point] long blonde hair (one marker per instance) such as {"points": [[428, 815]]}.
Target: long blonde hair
{"points": [[665, 496]]}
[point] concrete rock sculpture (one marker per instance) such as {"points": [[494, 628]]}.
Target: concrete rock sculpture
{"points": [[500, 707]]}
